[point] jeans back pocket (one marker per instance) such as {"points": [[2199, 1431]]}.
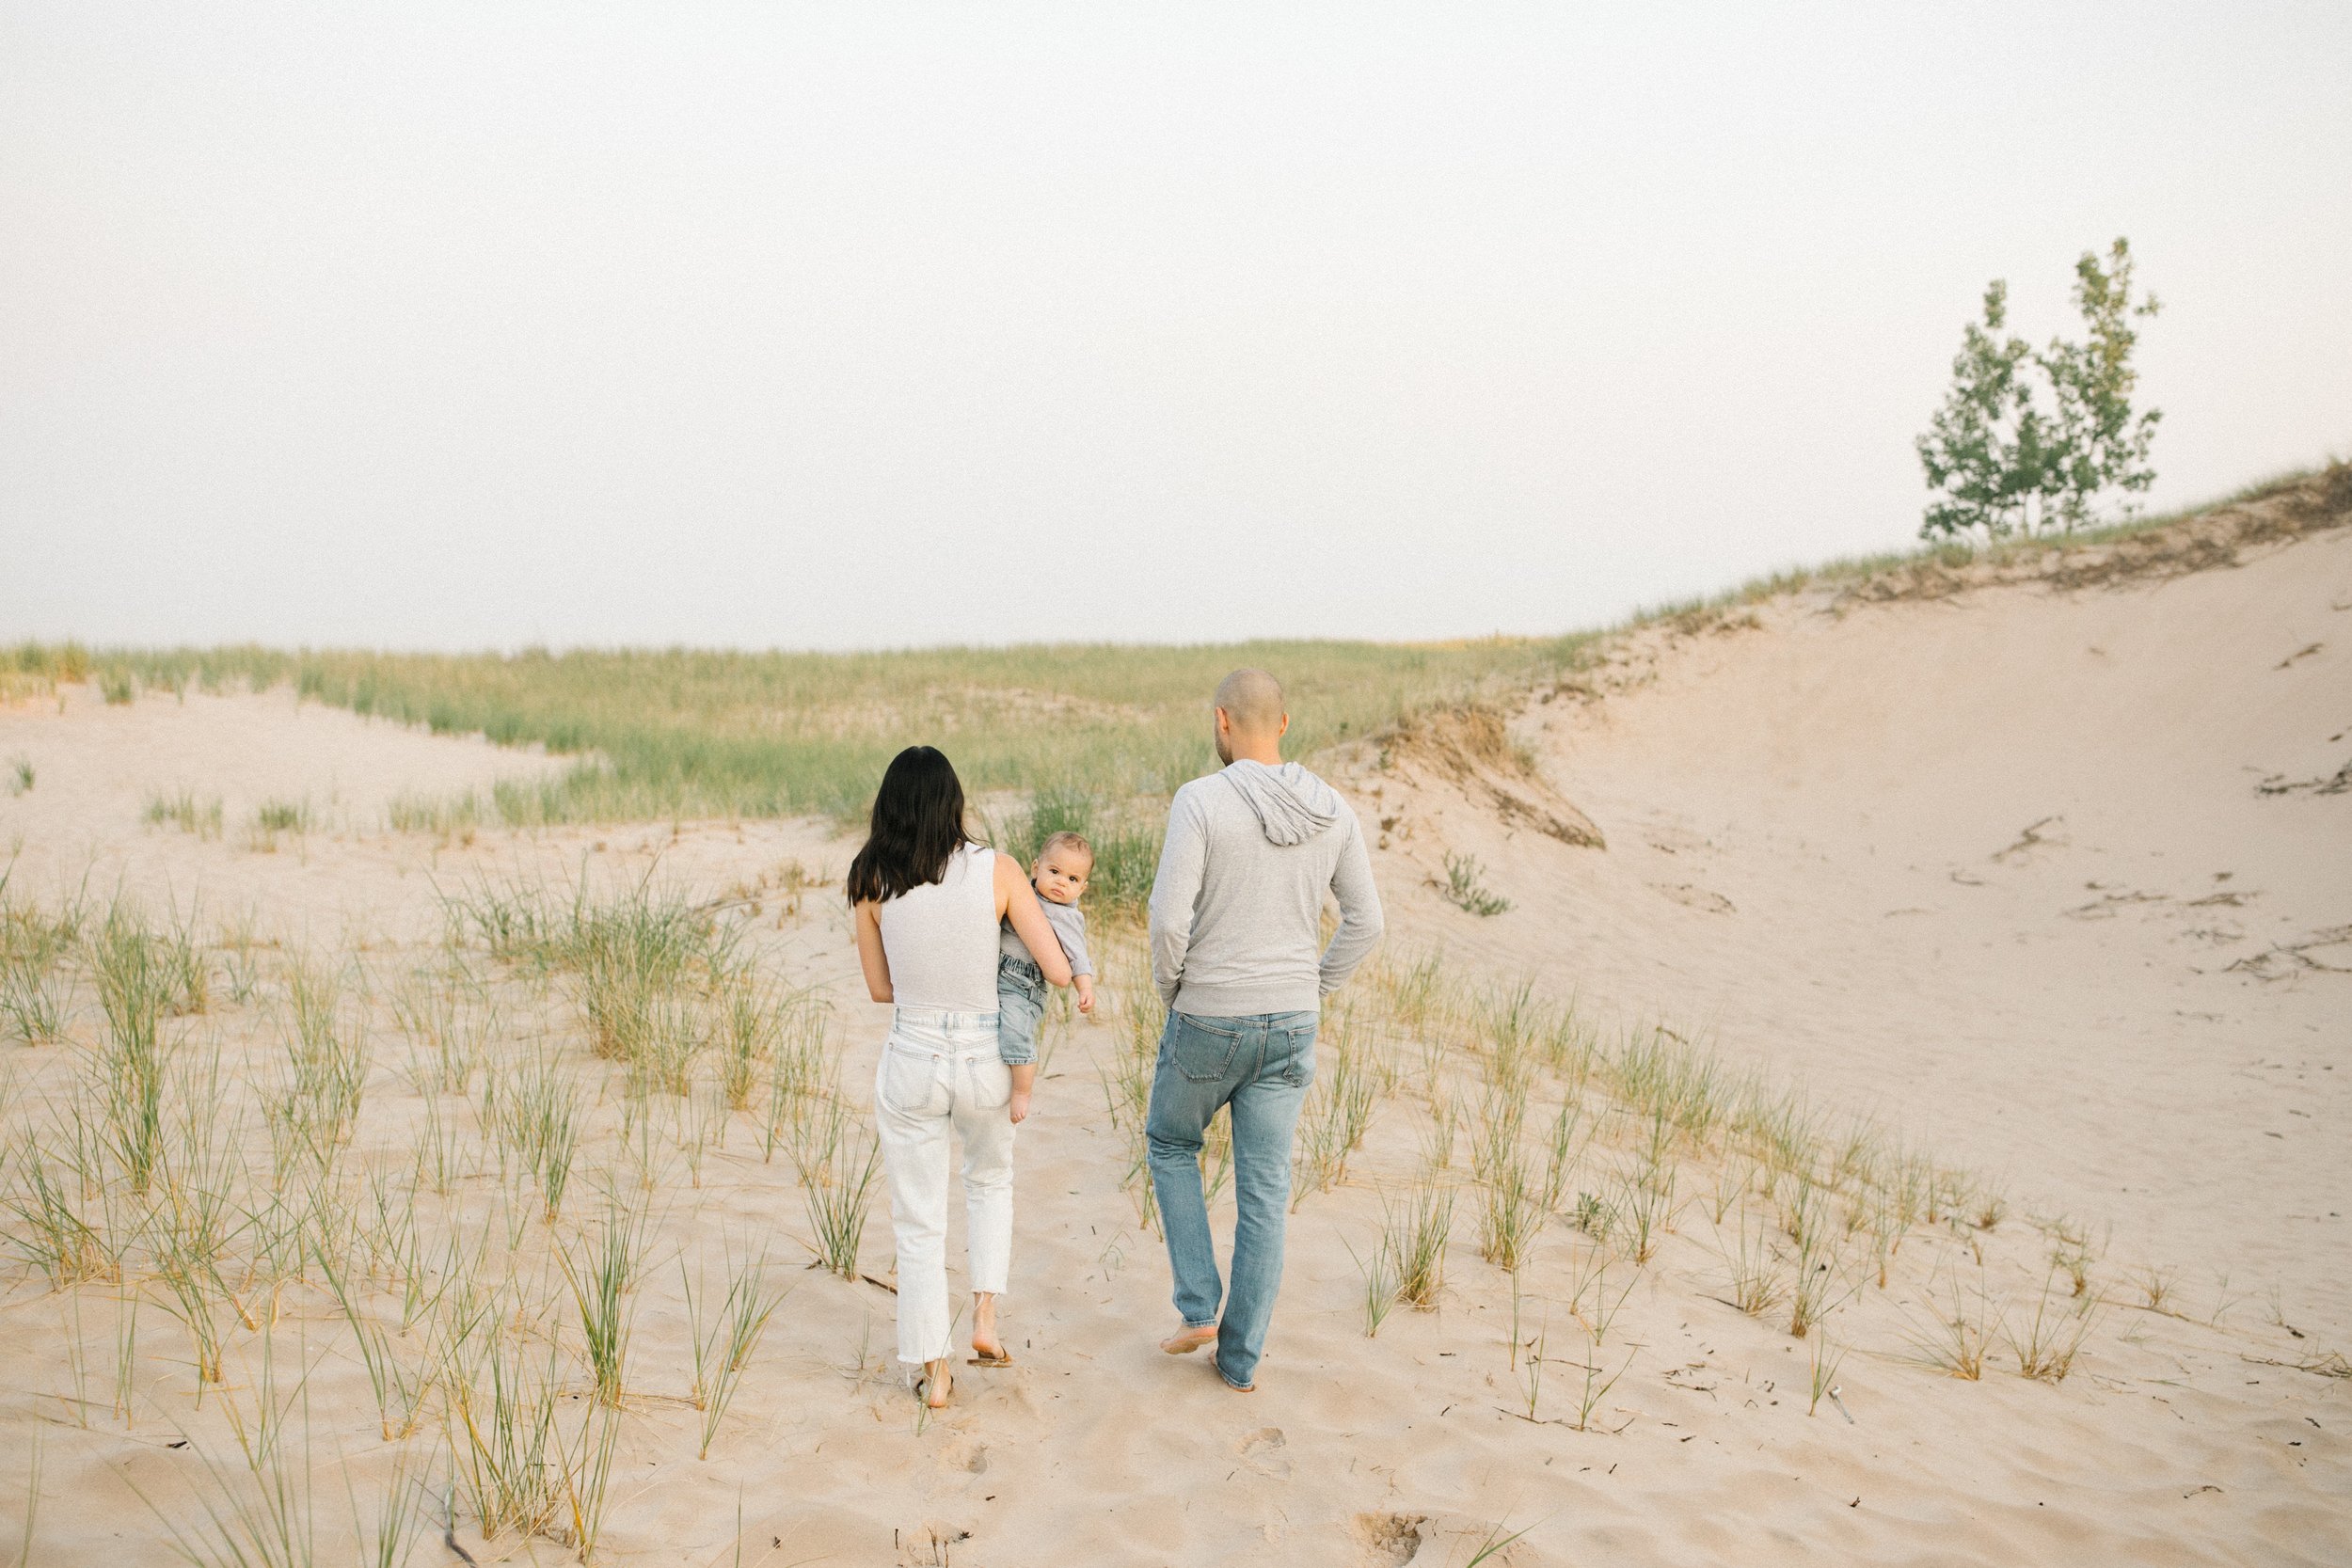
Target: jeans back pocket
{"points": [[911, 1083], [989, 1081], [1203, 1053], [1299, 1038]]}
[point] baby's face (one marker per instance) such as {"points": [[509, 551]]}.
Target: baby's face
{"points": [[1061, 876]]}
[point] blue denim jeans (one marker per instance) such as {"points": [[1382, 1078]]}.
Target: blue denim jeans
{"points": [[1261, 1067], [1020, 1003]]}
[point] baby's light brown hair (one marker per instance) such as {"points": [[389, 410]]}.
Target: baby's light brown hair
{"points": [[1067, 840]]}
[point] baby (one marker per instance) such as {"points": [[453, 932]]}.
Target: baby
{"points": [[1059, 876]]}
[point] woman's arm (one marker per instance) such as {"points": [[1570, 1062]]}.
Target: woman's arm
{"points": [[870, 955], [1016, 901]]}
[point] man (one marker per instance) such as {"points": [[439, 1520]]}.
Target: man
{"points": [[1236, 912]]}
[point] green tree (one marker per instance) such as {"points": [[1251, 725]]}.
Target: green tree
{"points": [[2104, 443], [1996, 459], [1987, 451]]}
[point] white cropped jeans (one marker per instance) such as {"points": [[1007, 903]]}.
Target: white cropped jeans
{"points": [[941, 1068]]}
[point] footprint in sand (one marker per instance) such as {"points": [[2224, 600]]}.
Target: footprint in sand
{"points": [[1261, 1450], [964, 1453], [1388, 1539]]}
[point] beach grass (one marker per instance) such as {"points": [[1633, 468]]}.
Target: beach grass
{"points": [[691, 733], [185, 809], [413, 1226]]}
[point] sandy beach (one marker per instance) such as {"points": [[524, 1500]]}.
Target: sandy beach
{"points": [[2043, 890]]}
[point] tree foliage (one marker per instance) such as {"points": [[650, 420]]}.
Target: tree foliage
{"points": [[2029, 439]]}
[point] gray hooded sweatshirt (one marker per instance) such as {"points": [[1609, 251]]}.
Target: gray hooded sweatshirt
{"points": [[1237, 906]]}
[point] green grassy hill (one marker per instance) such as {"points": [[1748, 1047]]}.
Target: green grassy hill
{"points": [[688, 733]]}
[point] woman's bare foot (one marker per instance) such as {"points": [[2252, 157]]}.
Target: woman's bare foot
{"points": [[1187, 1339], [939, 1384], [987, 1344]]}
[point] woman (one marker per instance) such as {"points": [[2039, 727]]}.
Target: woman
{"points": [[929, 901]]}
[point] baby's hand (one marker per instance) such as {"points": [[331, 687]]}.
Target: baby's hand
{"points": [[1019, 1105], [1084, 984]]}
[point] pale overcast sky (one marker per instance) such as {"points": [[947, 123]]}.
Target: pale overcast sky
{"points": [[453, 325]]}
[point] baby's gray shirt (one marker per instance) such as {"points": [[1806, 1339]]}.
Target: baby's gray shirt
{"points": [[1069, 929]]}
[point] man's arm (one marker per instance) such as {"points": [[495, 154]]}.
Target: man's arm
{"points": [[1175, 888], [1360, 910]]}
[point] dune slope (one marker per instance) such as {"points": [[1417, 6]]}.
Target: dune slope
{"points": [[2061, 879]]}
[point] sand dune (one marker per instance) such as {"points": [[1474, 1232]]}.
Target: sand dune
{"points": [[2013, 869], [2013, 872]]}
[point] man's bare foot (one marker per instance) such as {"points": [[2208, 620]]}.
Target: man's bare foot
{"points": [[1185, 1340]]}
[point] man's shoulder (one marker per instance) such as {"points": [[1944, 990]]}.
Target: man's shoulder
{"points": [[1193, 794], [1212, 801]]}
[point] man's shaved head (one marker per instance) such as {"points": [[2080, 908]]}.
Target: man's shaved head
{"points": [[1252, 701]]}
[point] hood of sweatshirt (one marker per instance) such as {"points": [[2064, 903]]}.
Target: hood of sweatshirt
{"points": [[1292, 805]]}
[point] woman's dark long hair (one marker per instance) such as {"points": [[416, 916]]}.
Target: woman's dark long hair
{"points": [[918, 825]]}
